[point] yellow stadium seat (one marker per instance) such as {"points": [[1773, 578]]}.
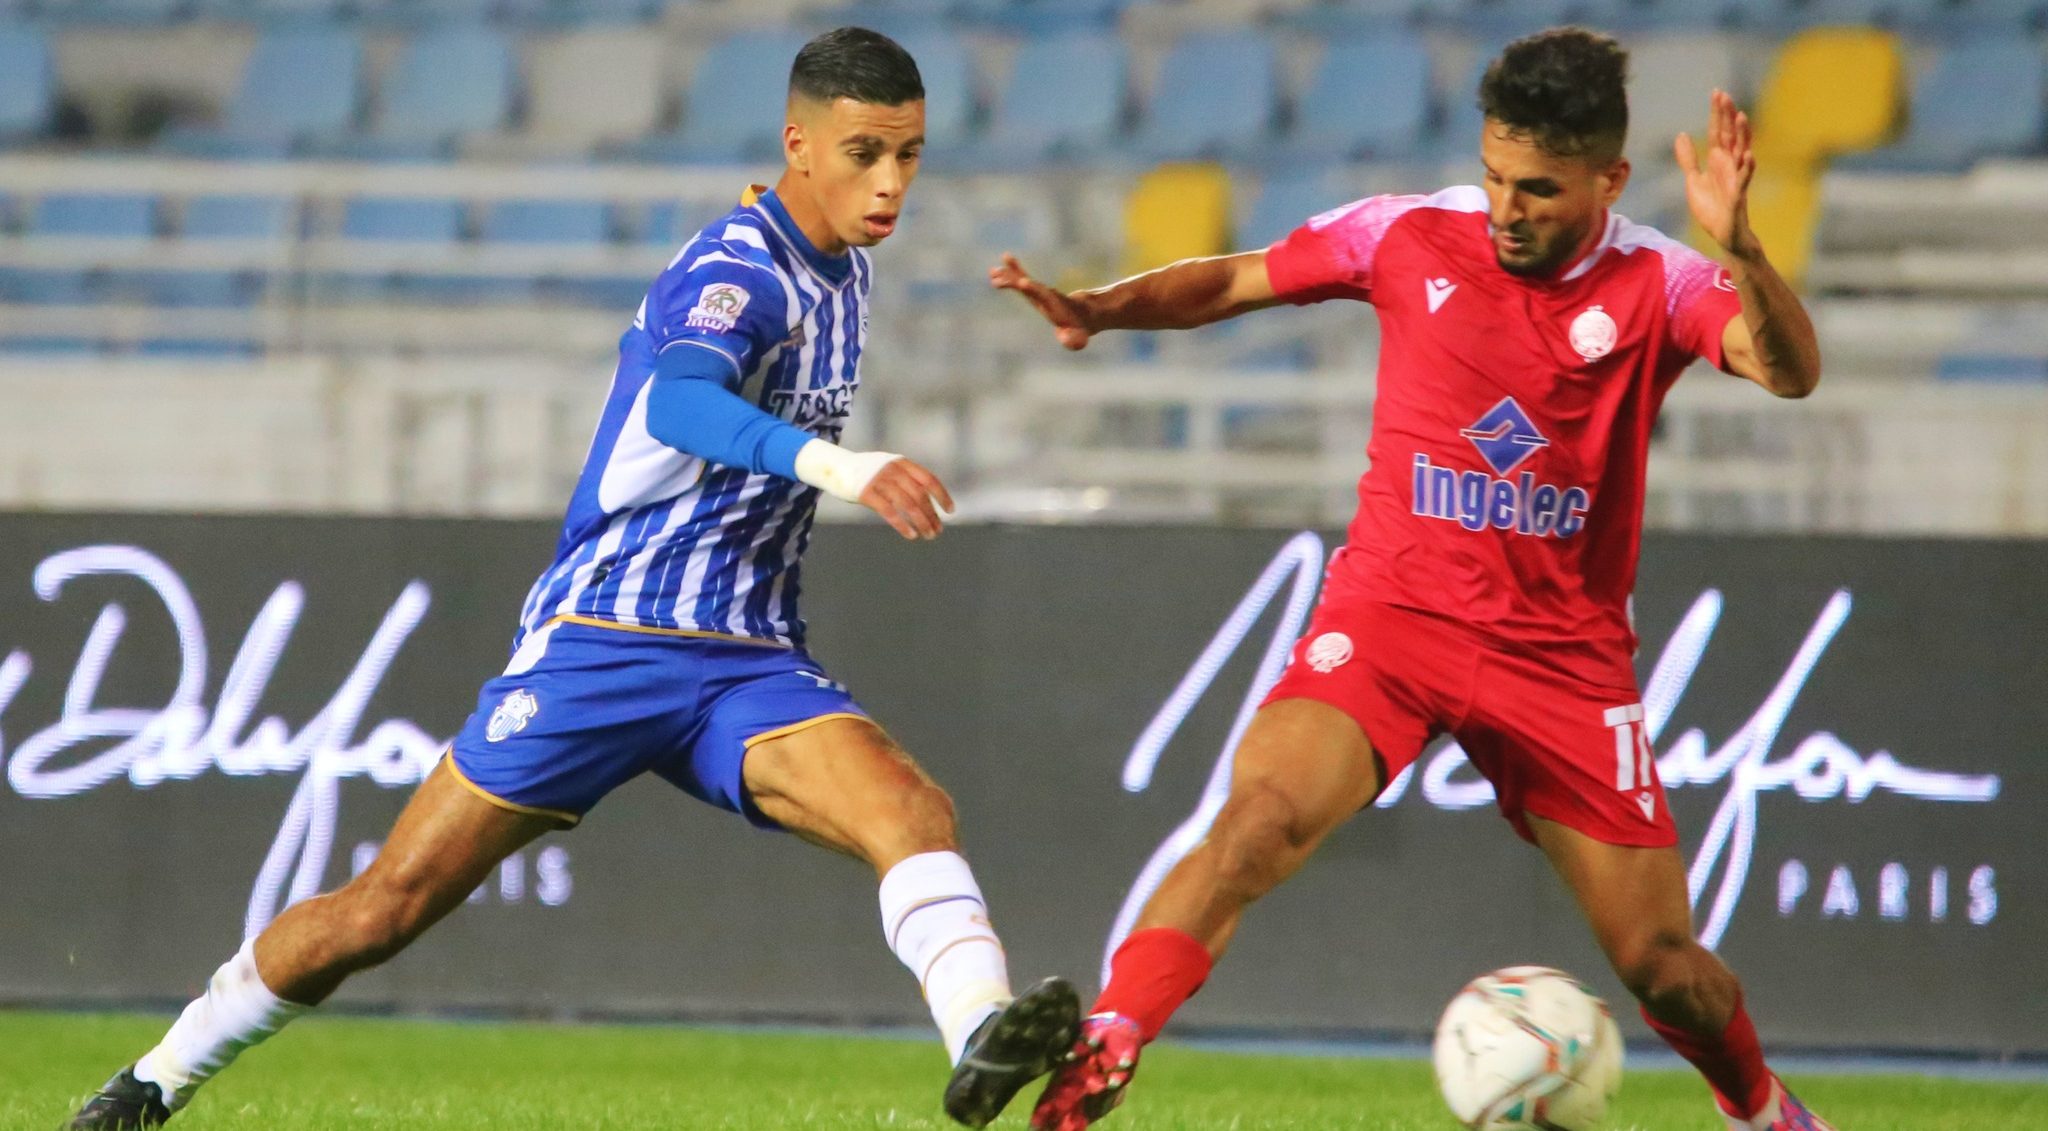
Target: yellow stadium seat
{"points": [[1177, 212], [1831, 90], [1784, 203]]}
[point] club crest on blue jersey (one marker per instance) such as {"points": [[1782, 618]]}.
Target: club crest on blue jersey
{"points": [[1505, 438], [512, 715]]}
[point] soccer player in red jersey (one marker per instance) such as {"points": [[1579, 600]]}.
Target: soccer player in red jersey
{"points": [[1528, 337]]}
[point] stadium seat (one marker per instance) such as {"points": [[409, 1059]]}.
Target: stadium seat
{"points": [[1981, 98], [1671, 79], [732, 107], [580, 12], [274, 11], [410, 220], [1286, 201], [548, 221], [1064, 98], [301, 87], [28, 83], [661, 223], [99, 215], [1368, 97], [1176, 212], [446, 83], [2012, 15], [1458, 136], [1830, 91], [116, 12], [951, 100], [1341, 19], [1044, 17], [1218, 94], [237, 217], [566, 112], [258, 218]]}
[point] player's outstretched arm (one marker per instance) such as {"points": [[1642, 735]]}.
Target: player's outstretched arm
{"points": [[1773, 342], [1179, 296], [691, 411]]}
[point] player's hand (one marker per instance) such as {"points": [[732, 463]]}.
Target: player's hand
{"points": [[909, 498], [1717, 182], [1069, 322]]}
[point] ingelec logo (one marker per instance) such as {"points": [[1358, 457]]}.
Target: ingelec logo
{"points": [[1819, 768]]}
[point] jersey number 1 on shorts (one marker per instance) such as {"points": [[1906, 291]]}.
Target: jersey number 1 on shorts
{"points": [[1632, 764]]}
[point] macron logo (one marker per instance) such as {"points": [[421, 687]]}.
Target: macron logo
{"points": [[1440, 291]]}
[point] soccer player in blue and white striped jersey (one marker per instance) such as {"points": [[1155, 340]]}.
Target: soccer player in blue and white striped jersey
{"points": [[665, 635]]}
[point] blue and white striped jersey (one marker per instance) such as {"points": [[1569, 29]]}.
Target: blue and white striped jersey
{"points": [[659, 539]]}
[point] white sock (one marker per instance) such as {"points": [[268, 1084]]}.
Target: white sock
{"points": [[935, 920], [236, 1012]]}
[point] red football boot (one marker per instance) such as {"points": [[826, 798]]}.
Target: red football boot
{"points": [[1092, 1081], [1785, 1113]]}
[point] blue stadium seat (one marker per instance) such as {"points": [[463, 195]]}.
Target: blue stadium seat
{"points": [[549, 221], [1983, 97], [1996, 14], [1368, 98], [662, 223], [732, 108], [1331, 18], [197, 348], [1285, 202], [579, 12], [950, 98], [1044, 17], [50, 344], [132, 12], [1065, 98], [407, 219], [237, 218], [446, 83], [104, 215], [301, 86], [1458, 136], [28, 83], [1218, 94], [269, 11]]}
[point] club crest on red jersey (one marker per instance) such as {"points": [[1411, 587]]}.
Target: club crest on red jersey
{"points": [[1594, 333]]}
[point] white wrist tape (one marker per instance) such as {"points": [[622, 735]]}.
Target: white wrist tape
{"points": [[838, 472]]}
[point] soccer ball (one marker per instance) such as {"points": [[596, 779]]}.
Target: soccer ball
{"points": [[1527, 1047]]}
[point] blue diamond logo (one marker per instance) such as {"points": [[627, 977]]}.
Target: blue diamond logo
{"points": [[1504, 436]]}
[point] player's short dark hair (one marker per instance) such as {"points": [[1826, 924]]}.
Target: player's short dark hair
{"points": [[853, 62], [1564, 89]]}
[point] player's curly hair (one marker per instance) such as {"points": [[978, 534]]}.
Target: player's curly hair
{"points": [[1564, 89], [853, 62]]}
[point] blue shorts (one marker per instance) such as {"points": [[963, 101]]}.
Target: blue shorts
{"points": [[585, 707]]}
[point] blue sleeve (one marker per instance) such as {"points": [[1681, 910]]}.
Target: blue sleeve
{"points": [[718, 303], [689, 408]]}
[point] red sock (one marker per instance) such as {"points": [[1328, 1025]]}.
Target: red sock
{"points": [[1733, 1063], [1151, 974]]}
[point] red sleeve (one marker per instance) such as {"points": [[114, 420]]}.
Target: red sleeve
{"points": [[1700, 300], [1332, 255]]}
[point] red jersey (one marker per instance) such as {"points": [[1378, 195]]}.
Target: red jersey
{"points": [[1512, 423]]}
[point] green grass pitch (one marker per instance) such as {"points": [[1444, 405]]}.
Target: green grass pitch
{"points": [[377, 1075]]}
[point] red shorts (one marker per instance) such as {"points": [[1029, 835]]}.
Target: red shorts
{"points": [[1552, 745]]}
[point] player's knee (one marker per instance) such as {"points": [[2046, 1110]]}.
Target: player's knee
{"points": [[930, 819], [923, 821], [1661, 967], [1259, 837]]}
